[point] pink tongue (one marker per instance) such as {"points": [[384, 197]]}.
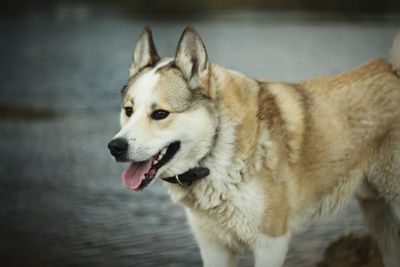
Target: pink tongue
{"points": [[133, 176]]}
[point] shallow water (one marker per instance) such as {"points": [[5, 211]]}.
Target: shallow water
{"points": [[62, 201]]}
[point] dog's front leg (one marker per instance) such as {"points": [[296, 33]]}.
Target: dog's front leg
{"points": [[270, 251], [214, 253]]}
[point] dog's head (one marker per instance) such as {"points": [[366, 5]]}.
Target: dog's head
{"points": [[168, 119]]}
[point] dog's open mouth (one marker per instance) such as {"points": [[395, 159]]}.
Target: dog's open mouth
{"points": [[139, 174]]}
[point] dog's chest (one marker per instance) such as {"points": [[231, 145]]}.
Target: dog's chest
{"points": [[231, 215]]}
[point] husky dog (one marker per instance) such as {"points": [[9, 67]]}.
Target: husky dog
{"points": [[252, 161]]}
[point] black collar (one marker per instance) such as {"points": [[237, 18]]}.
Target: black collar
{"points": [[186, 179]]}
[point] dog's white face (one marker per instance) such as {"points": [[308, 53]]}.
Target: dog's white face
{"points": [[168, 122]]}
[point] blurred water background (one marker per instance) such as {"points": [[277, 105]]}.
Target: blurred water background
{"points": [[62, 67]]}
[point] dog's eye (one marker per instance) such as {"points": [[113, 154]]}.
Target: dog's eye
{"points": [[128, 111], [159, 114]]}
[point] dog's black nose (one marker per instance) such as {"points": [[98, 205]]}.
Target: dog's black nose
{"points": [[118, 147]]}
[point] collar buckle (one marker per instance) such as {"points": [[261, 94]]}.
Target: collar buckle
{"points": [[180, 182]]}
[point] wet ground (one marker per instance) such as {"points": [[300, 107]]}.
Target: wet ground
{"points": [[62, 201]]}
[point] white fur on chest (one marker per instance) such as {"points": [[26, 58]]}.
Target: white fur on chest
{"points": [[225, 206], [235, 219]]}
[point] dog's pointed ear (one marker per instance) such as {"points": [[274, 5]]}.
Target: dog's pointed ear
{"points": [[191, 56], [145, 53]]}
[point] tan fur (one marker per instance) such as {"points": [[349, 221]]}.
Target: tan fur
{"points": [[327, 131]]}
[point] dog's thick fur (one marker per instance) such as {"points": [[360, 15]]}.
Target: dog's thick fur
{"points": [[280, 154]]}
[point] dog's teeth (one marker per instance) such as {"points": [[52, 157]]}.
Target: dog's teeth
{"points": [[163, 151], [159, 157], [156, 161]]}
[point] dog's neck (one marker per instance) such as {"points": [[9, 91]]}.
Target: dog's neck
{"points": [[235, 144]]}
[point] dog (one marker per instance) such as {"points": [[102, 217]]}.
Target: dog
{"points": [[254, 161]]}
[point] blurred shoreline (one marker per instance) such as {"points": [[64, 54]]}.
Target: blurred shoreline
{"points": [[181, 8]]}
